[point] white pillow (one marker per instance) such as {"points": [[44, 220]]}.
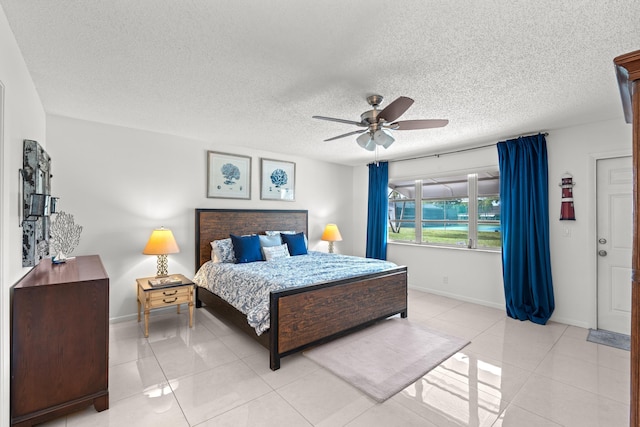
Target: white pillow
{"points": [[222, 251], [275, 252]]}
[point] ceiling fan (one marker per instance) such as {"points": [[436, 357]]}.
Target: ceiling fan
{"points": [[377, 124]]}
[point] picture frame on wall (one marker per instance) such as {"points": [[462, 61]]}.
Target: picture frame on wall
{"points": [[228, 176], [277, 180]]}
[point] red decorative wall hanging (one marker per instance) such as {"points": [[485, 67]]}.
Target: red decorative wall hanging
{"points": [[566, 209]]}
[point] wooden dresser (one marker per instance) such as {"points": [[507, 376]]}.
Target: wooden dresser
{"points": [[59, 340]]}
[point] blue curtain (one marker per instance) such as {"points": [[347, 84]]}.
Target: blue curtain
{"points": [[524, 201], [377, 212]]}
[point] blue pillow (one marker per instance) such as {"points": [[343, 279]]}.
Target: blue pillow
{"points": [[295, 243], [246, 248]]}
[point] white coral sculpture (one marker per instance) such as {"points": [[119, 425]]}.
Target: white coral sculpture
{"points": [[65, 235]]}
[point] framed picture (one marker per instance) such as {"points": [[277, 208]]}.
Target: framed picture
{"points": [[228, 176], [277, 180]]}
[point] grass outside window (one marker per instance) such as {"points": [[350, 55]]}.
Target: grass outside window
{"points": [[488, 239]]}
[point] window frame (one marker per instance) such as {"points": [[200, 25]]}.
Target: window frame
{"points": [[472, 222]]}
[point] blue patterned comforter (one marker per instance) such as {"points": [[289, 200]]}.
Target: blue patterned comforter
{"points": [[247, 286]]}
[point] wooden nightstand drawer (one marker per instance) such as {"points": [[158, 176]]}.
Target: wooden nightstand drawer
{"points": [[169, 293], [160, 301]]}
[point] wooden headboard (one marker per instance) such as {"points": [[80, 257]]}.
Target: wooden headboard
{"points": [[216, 224]]}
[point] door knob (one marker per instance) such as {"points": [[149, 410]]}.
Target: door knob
{"points": [[602, 241], [602, 252]]}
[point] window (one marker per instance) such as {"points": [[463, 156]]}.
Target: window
{"points": [[445, 215]]}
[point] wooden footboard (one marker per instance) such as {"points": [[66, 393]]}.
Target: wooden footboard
{"points": [[308, 316]]}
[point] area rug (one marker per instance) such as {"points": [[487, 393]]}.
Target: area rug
{"points": [[386, 357], [612, 339]]}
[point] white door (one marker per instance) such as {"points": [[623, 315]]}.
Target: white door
{"points": [[614, 221]]}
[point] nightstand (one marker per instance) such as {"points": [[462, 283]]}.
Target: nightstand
{"points": [[151, 297]]}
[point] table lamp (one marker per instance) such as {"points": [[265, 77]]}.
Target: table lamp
{"points": [[331, 234], [161, 243]]}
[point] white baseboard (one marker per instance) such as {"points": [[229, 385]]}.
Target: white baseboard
{"points": [[458, 297], [154, 312], [563, 320]]}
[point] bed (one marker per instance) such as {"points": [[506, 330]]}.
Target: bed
{"points": [[305, 316]]}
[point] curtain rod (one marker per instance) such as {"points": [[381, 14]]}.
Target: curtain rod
{"points": [[462, 150]]}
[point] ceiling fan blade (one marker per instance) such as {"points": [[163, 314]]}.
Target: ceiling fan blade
{"points": [[395, 109], [418, 124], [331, 119], [355, 132]]}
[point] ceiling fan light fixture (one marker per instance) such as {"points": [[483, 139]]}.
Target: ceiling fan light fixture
{"points": [[383, 137], [366, 141]]}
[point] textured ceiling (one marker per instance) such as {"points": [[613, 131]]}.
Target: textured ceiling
{"points": [[252, 73]]}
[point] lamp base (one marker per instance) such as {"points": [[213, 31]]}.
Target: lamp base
{"points": [[330, 247], [163, 266]]}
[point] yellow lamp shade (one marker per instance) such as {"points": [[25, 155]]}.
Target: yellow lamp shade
{"points": [[161, 242], [331, 233]]}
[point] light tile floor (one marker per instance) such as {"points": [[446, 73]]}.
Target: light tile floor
{"points": [[512, 374]]}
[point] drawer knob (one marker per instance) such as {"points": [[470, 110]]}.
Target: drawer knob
{"points": [[168, 294], [169, 302]]}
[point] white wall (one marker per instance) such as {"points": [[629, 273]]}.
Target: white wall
{"points": [[574, 258], [476, 276], [120, 183], [23, 118]]}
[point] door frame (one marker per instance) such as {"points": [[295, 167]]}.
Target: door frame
{"points": [[593, 224], [5, 372], [627, 68]]}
